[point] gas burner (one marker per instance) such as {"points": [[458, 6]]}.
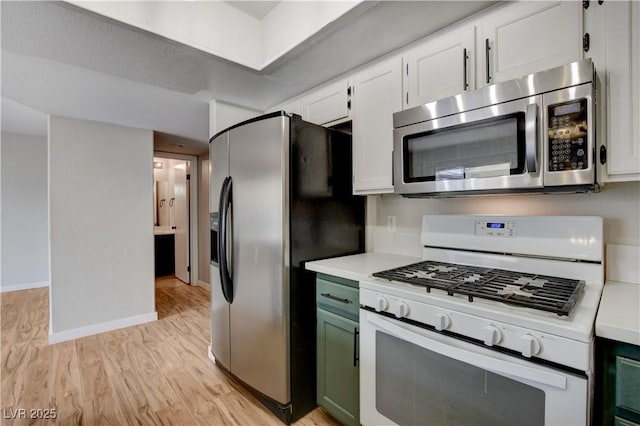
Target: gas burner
{"points": [[473, 278], [512, 290], [420, 274], [558, 295], [442, 268], [531, 282]]}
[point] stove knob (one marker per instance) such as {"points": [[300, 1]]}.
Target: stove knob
{"points": [[529, 345], [492, 335], [403, 310], [443, 321], [382, 304]]}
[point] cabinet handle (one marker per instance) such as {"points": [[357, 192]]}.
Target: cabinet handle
{"points": [[356, 358], [337, 299], [487, 48], [465, 85]]}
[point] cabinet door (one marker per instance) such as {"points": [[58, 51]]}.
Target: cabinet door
{"points": [[327, 104], [338, 378], [622, 74], [617, 383], [526, 37], [377, 94], [441, 67], [291, 106]]}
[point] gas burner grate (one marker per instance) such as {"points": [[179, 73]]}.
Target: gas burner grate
{"points": [[552, 294]]}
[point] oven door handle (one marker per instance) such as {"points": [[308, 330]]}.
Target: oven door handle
{"points": [[531, 136], [482, 361]]}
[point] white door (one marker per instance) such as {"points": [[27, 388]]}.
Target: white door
{"points": [[377, 94], [180, 208], [440, 67]]}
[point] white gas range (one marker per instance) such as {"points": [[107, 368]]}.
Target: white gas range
{"points": [[509, 301]]}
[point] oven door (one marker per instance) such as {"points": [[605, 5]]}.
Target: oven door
{"points": [[413, 376], [495, 148]]}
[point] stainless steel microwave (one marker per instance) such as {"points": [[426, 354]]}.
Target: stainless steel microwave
{"points": [[532, 134]]}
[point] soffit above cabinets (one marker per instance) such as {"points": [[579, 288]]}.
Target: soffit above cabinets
{"points": [[64, 60], [249, 33], [257, 9]]}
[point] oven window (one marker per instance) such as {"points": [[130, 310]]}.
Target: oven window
{"points": [[492, 147], [415, 386]]}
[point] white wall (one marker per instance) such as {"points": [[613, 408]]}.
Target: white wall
{"points": [[24, 221], [618, 204], [100, 198]]}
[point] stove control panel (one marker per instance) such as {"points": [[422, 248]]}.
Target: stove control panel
{"points": [[529, 345], [492, 335], [496, 229], [382, 304], [489, 331]]}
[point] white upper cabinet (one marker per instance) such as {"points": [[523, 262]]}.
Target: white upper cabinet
{"points": [[615, 34], [442, 66], [328, 104], [377, 94], [291, 106], [526, 37]]}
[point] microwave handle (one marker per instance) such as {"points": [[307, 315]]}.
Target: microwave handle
{"points": [[531, 133]]}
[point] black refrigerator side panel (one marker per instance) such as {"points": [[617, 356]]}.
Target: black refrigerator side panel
{"points": [[326, 220]]}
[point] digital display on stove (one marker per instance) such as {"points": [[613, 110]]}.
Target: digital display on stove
{"points": [[495, 225]]}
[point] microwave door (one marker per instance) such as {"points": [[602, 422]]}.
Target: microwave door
{"points": [[492, 149]]}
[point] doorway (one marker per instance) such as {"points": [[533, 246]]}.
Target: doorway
{"points": [[174, 197]]}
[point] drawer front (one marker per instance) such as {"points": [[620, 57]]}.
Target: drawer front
{"points": [[628, 384], [619, 421], [337, 298]]}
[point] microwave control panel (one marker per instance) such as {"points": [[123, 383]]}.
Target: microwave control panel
{"points": [[567, 132]]}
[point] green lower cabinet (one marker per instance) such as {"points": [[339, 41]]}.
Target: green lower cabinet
{"points": [[338, 371], [618, 387], [617, 421]]}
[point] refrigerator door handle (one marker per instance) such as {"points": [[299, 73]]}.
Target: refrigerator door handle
{"points": [[226, 280]]}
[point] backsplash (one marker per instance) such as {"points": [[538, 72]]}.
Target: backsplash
{"points": [[618, 204]]}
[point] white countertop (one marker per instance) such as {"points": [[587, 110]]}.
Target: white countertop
{"points": [[619, 312], [358, 267]]}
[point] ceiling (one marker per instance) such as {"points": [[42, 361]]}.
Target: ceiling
{"points": [[60, 59], [257, 9]]}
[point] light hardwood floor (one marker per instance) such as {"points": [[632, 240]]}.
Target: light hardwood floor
{"points": [[155, 373]]}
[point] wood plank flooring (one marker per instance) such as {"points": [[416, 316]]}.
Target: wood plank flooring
{"points": [[152, 374]]}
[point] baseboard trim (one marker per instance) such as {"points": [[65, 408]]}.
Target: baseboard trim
{"points": [[200, 283], [24, 286], [102, 327], [210, 354]]}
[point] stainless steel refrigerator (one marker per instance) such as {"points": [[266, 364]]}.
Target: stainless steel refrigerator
{"points": [[280, 195]]}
